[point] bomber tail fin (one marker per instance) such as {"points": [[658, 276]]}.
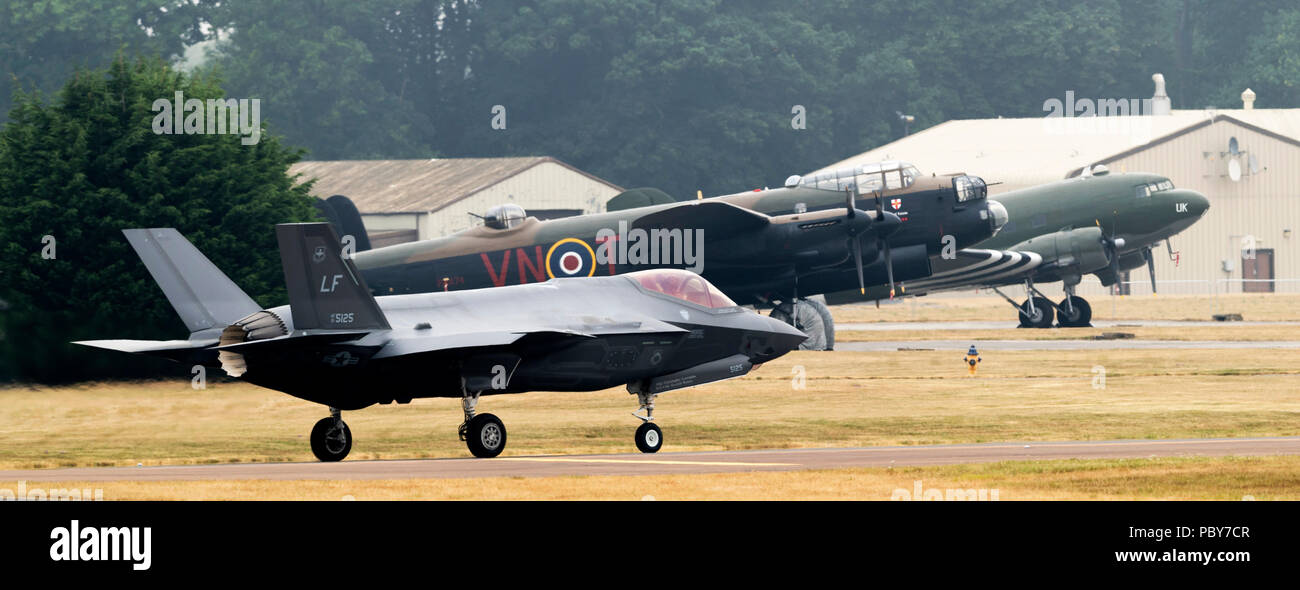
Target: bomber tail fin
{"points": [[326, 292], [203, 296]]}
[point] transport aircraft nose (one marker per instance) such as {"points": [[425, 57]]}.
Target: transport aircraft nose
{"points": [[1189, 201]]}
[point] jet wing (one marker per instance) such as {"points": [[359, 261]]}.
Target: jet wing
{"points": [[978, 268], [198, 350], [548, 337], [445, 342], [291, 341], [714, 218], [148, 346]]}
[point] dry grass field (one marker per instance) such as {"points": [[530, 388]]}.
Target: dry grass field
{"points": [[1225, 333], [805, 399], [987, 306]]}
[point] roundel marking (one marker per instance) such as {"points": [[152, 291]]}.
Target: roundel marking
{"points": [[570, 257]]}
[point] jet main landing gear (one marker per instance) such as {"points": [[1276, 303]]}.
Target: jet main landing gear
{"points": [[484, 434], [331, 439]]}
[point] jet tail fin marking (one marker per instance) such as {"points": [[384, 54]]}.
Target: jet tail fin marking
{"points": [[325, 289], [201, 294]]}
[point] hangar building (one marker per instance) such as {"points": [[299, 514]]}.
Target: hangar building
{"points": [[1246, 161], [408, 200]]}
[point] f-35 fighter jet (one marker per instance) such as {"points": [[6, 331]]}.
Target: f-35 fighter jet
{"points": [[337, 345]]}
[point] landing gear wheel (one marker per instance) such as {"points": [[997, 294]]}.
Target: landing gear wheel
{"points": [[813, 318], [1040, 317], [485, 436], [649, 438], [331, 439], [1082, 316]]}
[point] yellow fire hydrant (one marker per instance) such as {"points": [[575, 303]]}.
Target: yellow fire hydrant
{"points": [[972, 359]]}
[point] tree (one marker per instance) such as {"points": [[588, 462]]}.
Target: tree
{"points": [[43, 43], [343, 77], [86, 166]]}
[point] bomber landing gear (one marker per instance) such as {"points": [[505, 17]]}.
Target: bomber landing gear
{"points": [[484, 434], [649, 438], [813, 318], [331, 439]]}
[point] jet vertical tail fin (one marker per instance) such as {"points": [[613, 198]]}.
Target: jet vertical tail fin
{"points": [[325, 290], [203, 296]]}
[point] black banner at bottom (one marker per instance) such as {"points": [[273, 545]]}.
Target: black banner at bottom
{"points": [[747, 539]]}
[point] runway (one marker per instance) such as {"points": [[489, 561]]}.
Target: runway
{"points": [[1011, 325], [962, 345], [674, 463]]}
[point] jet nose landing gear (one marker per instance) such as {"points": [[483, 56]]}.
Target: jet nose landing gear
{"points": [[649, 438]]}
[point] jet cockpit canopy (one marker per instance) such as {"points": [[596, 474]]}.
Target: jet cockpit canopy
{"points": [[682, 284]]}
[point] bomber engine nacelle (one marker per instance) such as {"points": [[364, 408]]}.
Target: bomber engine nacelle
{"points": [[1070, 252]]}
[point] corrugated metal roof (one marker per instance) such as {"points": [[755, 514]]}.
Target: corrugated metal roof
{"points": [[412, 186], [1032, 151]]}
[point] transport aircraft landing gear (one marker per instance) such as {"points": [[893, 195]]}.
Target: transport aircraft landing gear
{"points": [[649, 438], [484, 434], [1036, 312], [331, 439], [813, 318], [1074, 311]]}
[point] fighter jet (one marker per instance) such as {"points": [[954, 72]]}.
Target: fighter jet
{"points": [[337, 345], [1100, 224], [765, 247]]}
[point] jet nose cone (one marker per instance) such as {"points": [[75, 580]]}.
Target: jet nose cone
{"points": [[775, 339], [997, 216]]}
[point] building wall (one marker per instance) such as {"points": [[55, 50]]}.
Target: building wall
{"points": [[545, 186], [389, 222], [1262, 206]]}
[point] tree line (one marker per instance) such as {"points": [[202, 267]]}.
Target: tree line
{"points": [[676, 94]]}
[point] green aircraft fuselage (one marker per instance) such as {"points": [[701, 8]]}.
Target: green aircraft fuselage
{"points": [[1122, 205]]}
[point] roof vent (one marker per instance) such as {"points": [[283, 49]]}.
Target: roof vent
{"points": [[1160, 103], [1248, 100]]}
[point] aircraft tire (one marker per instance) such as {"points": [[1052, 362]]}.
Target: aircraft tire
{"points": [[328, 449], [815, 321], [1044, 317], [1082, 311], [485, 436], [649, 438], [828, 322]]}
